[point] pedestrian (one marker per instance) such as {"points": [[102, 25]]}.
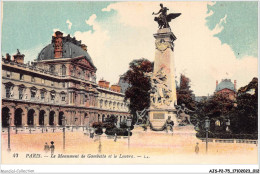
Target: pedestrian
{"points": [[115, 137], [197, 149], [92, 135], [46, 148], [52, 147]]}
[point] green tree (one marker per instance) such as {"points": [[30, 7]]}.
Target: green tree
{"points": [[139, 85], [185, 94], [242, 112], [244, 119]]}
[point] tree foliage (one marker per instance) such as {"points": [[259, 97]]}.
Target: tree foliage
{"points": [[139, 85], [218, 108], [242, 112], [244, 118], [185, 94]]}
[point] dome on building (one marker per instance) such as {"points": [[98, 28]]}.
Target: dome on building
{"points": [[71, 48], [225, 84]]}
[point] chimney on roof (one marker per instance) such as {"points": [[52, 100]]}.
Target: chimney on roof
{"points": [[115, 88], [8, 57], [58, 44], [235, 84], [216, 83], [19, 58], [103, 83], [84, 47]]}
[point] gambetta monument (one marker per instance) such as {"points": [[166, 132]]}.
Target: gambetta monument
{"points": [[163, 92]]}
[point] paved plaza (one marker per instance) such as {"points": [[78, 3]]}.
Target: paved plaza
{"points": [[147, 147]]}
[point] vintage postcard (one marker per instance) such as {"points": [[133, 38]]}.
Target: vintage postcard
{"points": [[100, 82]]}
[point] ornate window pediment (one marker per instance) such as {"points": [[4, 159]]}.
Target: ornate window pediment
{"points": [[43, 91], [21, 91], [52, 94], [63, 96], [9, 84], [83, 62], [33, 92], [63, 70], [9, 89], [52, 68]]}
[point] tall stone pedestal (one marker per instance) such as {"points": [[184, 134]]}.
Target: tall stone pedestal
{"points": [[158, 117], [163, 92]]}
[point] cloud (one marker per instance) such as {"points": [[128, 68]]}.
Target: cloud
{"points": [[128, 34], [96, 41], [220, 26], [30, 54], [91, 20], [106, 9], [69, 24]]}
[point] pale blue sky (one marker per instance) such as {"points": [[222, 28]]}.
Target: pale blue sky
{"points": [[27, 24], [240, 29], [218, 37]]}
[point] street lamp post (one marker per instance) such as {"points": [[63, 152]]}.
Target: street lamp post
{"points": [[9, 123], [227, 124], [207, 125], [64, 129], [128, 124], [91, 131]]}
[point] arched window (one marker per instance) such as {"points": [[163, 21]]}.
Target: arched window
{"points": [[74, 71], [43, 91], [52, 68], [86, 98], [52, 94], [63, 70], [5, 116], [7, 91], [63, 96], [21, 91], [101, 103], [83, 74], [33, 92], [79, 73]]}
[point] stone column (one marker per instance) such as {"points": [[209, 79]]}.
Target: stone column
{"points": [[90, 118], [56, 118], [24, 117], [81, 115], [72, 118], [46, 117], [94, 117], [15, 92], [11, 114], [75, 116], [86, 120], [67, 116], [36, 117]]}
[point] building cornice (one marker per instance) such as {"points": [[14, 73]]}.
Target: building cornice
{"points": [[59, 105], [40, 72]]}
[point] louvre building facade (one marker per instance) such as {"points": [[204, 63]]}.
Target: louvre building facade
{"points": [[59, 85]]}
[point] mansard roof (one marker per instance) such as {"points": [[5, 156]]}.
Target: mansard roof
{"points": [[71, 49]]}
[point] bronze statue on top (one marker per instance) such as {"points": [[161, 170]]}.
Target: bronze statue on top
{"points": [[163, 19]]}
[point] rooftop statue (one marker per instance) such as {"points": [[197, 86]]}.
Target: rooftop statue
{"points": [[163, 19]]}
